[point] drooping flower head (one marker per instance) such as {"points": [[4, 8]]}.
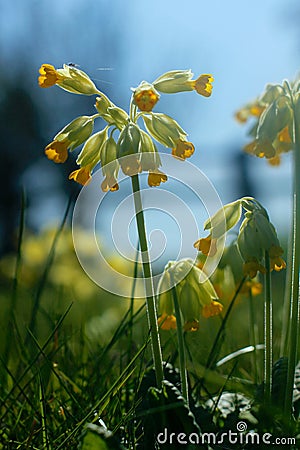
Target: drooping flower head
{"points": [[122, 143], [197, 298], [274, 114]]}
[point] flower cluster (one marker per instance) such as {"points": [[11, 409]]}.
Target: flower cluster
{"points": [[132, 142], [274, 113], [257, 238], [195, 296]]}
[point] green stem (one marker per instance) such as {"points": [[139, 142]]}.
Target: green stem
{"points": [[294, 291], [150, 297], [253, 336], [181, 348], [268, 341]]}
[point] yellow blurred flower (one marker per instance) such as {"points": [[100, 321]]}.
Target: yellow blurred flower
{"points": [[276, 262], [207, 245], [212, 309], [251, 268], [191, 325], [167, 322]]}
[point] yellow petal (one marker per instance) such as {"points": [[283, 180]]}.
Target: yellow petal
{"points": [[213, 309], [82, 175], [57, 151], [155, 178], [49, 76]]}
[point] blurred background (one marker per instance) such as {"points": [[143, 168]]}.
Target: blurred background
{"points": [[245, 45]]}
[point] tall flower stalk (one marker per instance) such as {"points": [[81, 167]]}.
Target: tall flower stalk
{"points": [[294, 326], [276, 131], [133, 150]]}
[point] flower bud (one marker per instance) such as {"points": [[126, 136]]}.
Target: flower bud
{"points": [[174, 81], [91, 151], [164, 129], [129, 145], [110, 165], [277, 116], [70, 137], [272, 92], [76, 132], [69, 78], [224, 219], [248, 243], [194, 296], [76, 81], [150, 159]]}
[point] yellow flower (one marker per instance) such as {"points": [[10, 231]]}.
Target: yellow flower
{"points": [[251, 286], [191, 325], [275, 161], [49, 76], [251, 268], [261, 148], [253, 109], [276, 262], [57, 151], [167, 322], [146, 99], [183, 149], [157, 177], [203, 85], [207, 246], [82, 175], [109, 184], [212, 309], [69, 78]]}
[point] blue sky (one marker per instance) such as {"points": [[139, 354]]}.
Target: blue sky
{"points": [[243, 44]]}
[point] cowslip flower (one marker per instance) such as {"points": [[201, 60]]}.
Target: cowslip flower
{"points": [[207, 245], [252, 266], [70, 137], [69, 78], [274, 114], [82, 175], [132, 149], [181, 80], [203, 85], [145, 96], [195, 297], [167, 322], [183, 149], [212, 309]]}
